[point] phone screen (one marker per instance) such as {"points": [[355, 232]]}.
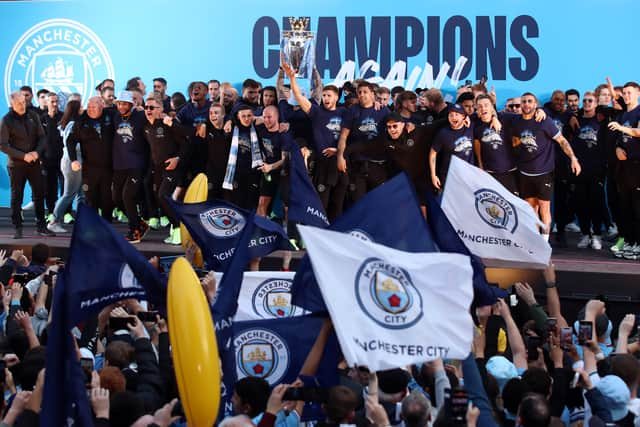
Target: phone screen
{"points": [[585, 331], [565, 338]]}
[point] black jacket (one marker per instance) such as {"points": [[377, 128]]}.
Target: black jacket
{"points": [[20, 135], [95, 146]]}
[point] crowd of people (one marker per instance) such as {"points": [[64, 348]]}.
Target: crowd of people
{"points": [[124, 156], [529, 365]]}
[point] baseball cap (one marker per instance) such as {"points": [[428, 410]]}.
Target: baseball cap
{"points": [[616, 394], [501, 369], [125, 96], [457, 108]]}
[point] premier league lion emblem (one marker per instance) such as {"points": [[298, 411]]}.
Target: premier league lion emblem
{"points": [[387, 295], [222, 222], [495, 210], [261, 353]]}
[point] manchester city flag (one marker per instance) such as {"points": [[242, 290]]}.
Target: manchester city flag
{"points": [[216, 226], [392, 308], [305, 206], [492, 222], [265, 295], [389, 215]]}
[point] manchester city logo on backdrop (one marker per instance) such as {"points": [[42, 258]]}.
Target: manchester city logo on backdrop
{"points": [[60, 55], [263, 354], [222, 222], [272, 299], [495, 210], [387, 295]]}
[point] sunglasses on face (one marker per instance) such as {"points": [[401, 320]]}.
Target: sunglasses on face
{"points": [[588, 100], [150, 107], [394, 126], [513, 105]]}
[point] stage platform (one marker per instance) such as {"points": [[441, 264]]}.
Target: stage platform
{"points": [[581, 273]]}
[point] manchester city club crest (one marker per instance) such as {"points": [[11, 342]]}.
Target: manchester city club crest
{"points": [[60, 55], [222, 222], [361, 234], [263, 354], [127, 278], [387, 295], [272, 299], [495, 210]]}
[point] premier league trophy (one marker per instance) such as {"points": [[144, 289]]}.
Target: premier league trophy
{"points": [[298, 47]]}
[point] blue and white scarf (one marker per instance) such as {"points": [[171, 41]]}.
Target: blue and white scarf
{"points": [[256, 156]]}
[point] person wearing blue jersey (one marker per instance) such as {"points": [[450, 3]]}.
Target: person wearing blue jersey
{"points": [[628, 153], [534, 146]]}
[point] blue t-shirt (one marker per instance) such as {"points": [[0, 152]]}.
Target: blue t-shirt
{"points": [[534, 145], [272, 144], [449, 142], [587, 148], [326, 126], [365, 125], [192, 115], [496, 149], [628, 143], [130, 149]]}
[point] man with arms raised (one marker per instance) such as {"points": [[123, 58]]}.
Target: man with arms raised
{"points": [[326, 122]]}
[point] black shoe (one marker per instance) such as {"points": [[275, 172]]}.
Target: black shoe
{"points": [[18, 233], [561, 240], [43, 231]]}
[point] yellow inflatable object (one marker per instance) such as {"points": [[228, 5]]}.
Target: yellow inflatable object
{"points": [[197, 192], [194, 347]]}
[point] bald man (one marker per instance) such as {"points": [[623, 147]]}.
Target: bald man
{"points": [[90, 143], [273, 145]]}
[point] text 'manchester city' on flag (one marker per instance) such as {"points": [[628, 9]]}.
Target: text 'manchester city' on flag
{"points": [[392, 308], [492, 222]]}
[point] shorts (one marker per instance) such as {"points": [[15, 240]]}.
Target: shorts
{"points": [[537, 187], [269, 187], [509, 180]]}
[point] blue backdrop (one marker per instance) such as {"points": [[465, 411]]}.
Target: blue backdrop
{"points": [[519, 45]]}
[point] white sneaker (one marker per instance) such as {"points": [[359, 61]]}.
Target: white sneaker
{"points": [[56, 228], [612, 231], [633, 252], [626, 248], [572, 227], [596, 243], [29, 206], [584, 242]]}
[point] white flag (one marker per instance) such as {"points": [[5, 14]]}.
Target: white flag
{"points": [[265, 295], [392, 308], [491, 221]]}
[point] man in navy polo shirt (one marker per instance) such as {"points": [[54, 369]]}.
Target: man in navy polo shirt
{"points": [[535, 158], [628, 153], [361, 123]]}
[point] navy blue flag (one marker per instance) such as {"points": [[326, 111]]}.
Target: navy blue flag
{"points": [[104, 268], [276, 350], [215, 226], [305, 206], [388, 215], [63, 370], [449, 241]]}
